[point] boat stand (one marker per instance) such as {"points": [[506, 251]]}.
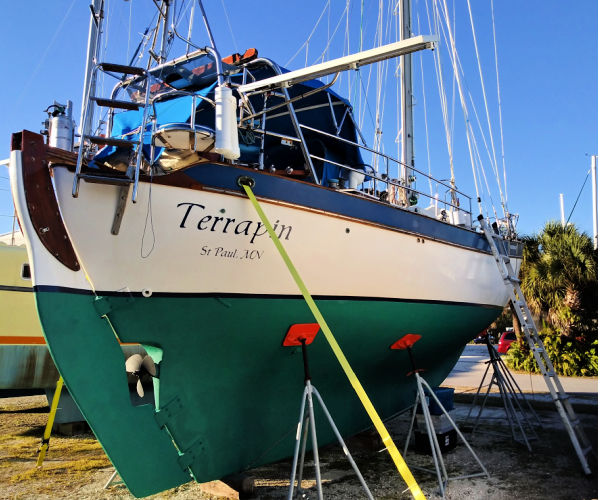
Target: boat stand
{"points": [[514, 401], [48, 430], [406, 343], [112, 480], [303, 335]]}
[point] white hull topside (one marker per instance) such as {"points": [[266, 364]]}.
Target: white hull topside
{"points": [[178, 240]]}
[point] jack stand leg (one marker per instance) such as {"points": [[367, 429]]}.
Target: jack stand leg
{"points": [[460, 434], [297, 446], [343, 444], [487, 394], [513, 400], [302, 453], [412, 423], [110, 481], [309, 422], [436, 453], [478, 391], [313, 432]]}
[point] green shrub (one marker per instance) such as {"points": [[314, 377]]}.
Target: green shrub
{"points": [[570, 357]]}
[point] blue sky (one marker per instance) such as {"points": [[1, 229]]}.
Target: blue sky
{"points": [[547, 52]]}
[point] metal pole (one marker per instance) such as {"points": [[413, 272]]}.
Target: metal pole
{"points": [[313, 433], [297, 445], [562, 209], [96, 6], [595, 200], [165, 31], [407, 157]]}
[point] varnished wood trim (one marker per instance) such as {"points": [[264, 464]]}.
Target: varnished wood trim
{"points": [[41, 199]]}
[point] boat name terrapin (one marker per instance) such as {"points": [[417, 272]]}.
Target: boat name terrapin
{"points": [[214, 223]]}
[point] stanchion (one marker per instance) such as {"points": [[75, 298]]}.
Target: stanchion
{"points": [[406, 343], [303, 335]]}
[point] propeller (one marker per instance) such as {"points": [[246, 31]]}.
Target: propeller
{"points": [[137, 366]]}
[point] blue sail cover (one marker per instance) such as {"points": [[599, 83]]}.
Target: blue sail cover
{"points": [[325, 111]]}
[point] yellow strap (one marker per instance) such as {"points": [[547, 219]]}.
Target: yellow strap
{"points": [[362, 395], [48, 431]]}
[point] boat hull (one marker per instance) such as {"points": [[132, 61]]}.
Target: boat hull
{"points": [[228, 391], [195, 279]]}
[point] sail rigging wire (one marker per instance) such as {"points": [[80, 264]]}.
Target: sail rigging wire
{"points": [[307, 41], [190, 27], [357, 72], [479, 167], [499, 104], [129, 30], [331, 36], [580, 191], [483, 175], [425, 113], [42, 58], [459, 77], [453, 104], [104, 49], [487, 112], [452, 47], [480, 126], [235, 44], [438, 30], [379, 72], [346, 51]]}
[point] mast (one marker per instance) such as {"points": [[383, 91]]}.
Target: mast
{"points": [[407, 157]]}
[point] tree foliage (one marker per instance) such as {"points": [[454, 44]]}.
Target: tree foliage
{"points": [[560, 282]]}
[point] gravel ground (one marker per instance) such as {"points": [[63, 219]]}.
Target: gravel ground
{"points": [[77, 468]]}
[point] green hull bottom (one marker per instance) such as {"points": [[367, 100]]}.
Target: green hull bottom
{"points": [[228, 393]]}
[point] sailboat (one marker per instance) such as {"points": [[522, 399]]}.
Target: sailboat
{"points": [[145, 235]]}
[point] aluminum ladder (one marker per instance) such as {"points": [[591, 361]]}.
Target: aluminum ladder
{"points": [[499, 248], [89, 139]]}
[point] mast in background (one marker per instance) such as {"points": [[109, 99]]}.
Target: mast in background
{"points": [[561, 199]]}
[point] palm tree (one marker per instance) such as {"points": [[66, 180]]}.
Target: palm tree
{"points": [[559, 280]]}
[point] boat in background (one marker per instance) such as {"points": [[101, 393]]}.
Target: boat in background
{"points": [[25, 362], [151, 240]]}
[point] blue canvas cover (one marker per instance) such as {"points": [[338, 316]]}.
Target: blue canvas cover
{"points": [[313, 111], [126, 125]]}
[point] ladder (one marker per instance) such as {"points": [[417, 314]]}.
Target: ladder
{"points": [[500, 251], [90, 140]]}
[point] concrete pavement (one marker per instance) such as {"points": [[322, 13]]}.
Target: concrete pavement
{"points": [[470, 368]]}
